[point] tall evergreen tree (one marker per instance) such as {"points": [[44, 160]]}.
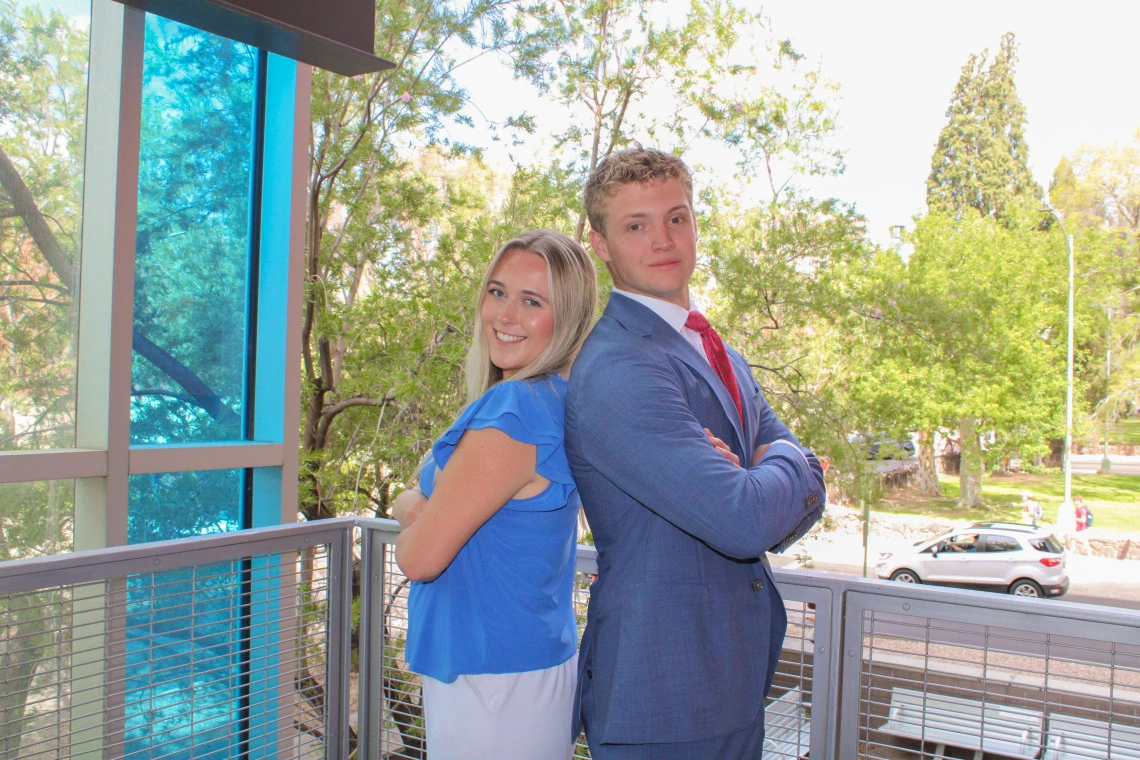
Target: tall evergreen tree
{"points": [[981, 163], [981, 160]]}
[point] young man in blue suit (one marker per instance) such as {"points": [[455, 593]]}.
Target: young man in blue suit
{"points": [[687, 478]]}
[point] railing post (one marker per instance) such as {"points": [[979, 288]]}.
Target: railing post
{"points": [[339, 657], [370, 718]]}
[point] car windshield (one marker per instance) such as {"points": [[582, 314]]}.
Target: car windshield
{"points": [[1048, 544]]}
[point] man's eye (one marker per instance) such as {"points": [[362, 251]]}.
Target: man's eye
{"points": [[634, 227]]}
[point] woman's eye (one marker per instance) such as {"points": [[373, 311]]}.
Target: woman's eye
{"points": [[533, 303], [496, 292]]}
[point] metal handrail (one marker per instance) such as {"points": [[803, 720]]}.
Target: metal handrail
{"points": [[863, 642]]}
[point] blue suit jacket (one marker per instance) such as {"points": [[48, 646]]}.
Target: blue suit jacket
{"points": [[685, 623]]}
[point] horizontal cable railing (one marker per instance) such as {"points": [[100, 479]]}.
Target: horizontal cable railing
{"points": [[247, 645], [215, 647]]}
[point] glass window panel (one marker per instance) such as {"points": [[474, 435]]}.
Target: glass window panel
{"points": [[36, 518], [43, 93], [169, 505], [184, 648], [193, 242]]}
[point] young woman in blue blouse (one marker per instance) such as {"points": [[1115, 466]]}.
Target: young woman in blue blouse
{"points": [[490, 534]]}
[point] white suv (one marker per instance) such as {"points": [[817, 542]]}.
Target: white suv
{"points": [[1020, 559]]}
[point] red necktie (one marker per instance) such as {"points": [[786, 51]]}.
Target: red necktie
{"points": [[718, 357]]}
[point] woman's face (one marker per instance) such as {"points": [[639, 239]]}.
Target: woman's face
{"points": [[517, 316]]}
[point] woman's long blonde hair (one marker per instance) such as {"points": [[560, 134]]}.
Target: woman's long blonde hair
{"points": [[573, 285]]}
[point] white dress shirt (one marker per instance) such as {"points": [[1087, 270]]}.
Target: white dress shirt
{"points": [[675, 316]]}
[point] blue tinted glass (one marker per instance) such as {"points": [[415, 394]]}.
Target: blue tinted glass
{"points": [[184, 652], [193, 242], [170, 505], [185, 640]]}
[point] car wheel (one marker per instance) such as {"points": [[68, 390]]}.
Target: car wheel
{"points": [[1026, 587], [905, 576]]}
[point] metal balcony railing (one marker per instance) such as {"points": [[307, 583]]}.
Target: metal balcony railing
{"points": [[287, 642]]}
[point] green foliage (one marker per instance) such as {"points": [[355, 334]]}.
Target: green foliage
{"points": [[973, 327], [711, 75], [1097, 190], [192, 240], [780, 277], [982, 160], [397, 236], [43, 67]]}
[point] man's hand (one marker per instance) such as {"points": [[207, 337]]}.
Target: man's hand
{"points": [[761, 450], [407, 507], [722, 447]]}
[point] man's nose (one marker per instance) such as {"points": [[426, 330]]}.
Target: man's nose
{"points": [[660, 238]]}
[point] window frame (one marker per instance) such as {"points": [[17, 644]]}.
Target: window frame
{"points": [[102, 459]]}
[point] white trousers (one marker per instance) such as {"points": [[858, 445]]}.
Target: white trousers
{"points": [[502, 716]]}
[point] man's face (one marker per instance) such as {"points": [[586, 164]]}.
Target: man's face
{"points": [[650, 242]]}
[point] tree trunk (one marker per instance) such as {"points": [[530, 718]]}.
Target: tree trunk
{"points": [[970, 472], [927, 476]]}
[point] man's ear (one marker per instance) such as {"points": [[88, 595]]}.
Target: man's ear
{"points": [[598, 243]]}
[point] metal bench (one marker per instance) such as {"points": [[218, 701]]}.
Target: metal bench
{"points": [[787, 729], [1073, 738], [947, 721]]}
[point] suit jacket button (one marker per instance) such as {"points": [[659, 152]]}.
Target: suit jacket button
{"points": [[589, 673], [757, 584], [811, 500]]}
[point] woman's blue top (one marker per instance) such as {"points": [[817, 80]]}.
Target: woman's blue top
{"points": [[503, 605]]}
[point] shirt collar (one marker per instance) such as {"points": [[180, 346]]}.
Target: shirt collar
{"points": [[675, 316]]}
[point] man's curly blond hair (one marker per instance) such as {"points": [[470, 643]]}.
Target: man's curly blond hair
{"points": [[633, 165]]}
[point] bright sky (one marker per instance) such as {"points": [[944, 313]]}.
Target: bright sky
{"points": [[897, 62]]}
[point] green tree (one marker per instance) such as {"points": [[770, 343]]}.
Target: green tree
{"points": [[1097, 190], [43, 73], [397, 230], [981, 163], [981, 160], [973, 335], [780, 277], [711, 76]]}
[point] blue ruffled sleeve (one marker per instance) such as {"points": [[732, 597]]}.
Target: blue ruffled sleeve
{"points": [[530, 411]]}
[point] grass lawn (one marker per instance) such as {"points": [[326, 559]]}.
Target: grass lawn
{"points": [[1113, 499], [1126, 430]]}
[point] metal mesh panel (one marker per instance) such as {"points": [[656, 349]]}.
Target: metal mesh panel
{"points": [[582, 583], [931, 687], [218, 660], [787, 714], [401, 710]]}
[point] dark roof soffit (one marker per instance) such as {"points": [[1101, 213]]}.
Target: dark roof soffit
{"points": [[237, 22]]}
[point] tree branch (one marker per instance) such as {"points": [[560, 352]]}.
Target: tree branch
{"points": [[25, 206]]}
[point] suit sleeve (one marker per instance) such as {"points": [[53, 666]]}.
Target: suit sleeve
{"points": [[638, 431]]}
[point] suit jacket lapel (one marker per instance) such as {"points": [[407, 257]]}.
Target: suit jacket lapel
{"points": [[642, 321]]}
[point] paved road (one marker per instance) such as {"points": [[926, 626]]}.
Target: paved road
{"points": [[1121, 465], [1123, 593]]}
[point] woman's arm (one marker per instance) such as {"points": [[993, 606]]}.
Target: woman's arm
{"points": [[485, 471]]}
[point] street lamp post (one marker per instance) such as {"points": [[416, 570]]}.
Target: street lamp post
{"points": [[1105, 462], [1066, 520]]}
